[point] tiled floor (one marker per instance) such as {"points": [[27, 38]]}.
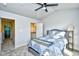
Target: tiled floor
{"points": [[7, 50], [7, 45], [76, 53], [72, 53], [22, 51]]}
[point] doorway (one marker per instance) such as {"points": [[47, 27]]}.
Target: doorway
{"points": [[8, 34], [33, 30], [37, 30]]}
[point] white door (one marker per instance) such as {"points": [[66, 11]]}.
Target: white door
{"points": [[39, 30]]}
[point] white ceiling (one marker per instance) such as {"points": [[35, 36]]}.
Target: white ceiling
{"points": [[27, 9]]}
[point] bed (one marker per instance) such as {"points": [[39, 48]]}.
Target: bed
{"points": [[52, 44]]}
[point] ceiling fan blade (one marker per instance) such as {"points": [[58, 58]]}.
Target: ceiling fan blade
{"points": [[46, 10], [52, 5], [39, 4], [38, 8]]}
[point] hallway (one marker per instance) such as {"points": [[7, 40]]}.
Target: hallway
{"points": [[7, 45]]}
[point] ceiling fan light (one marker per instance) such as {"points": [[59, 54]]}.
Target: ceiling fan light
{"points": [[44, 8]]}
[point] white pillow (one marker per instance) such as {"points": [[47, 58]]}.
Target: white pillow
{"points": [[52, 33], [59, 35]]}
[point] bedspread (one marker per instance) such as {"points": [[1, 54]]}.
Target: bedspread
{"points": [[42, 46]]}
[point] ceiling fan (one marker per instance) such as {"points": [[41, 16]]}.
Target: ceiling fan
{"points": [[44, 6]]}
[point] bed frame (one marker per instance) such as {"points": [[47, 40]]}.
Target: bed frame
{"points": [[33, 51]]}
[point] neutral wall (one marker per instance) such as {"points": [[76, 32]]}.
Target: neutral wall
{"points": [[22, 27], [61, 19]]}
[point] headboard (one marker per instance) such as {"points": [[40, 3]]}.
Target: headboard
{"points": [[59, 30], [55, 30]]}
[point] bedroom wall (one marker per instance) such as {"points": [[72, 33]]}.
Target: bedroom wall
{"points": [[22, 27], [61, 19]]}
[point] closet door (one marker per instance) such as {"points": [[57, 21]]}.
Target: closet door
{"points": [[39, 30]]}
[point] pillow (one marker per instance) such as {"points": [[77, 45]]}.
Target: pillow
{"points": [[59, 35], [44, 38], [52, 33]]}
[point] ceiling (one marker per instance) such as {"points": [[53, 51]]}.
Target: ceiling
{"points": [[27, 9]]}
